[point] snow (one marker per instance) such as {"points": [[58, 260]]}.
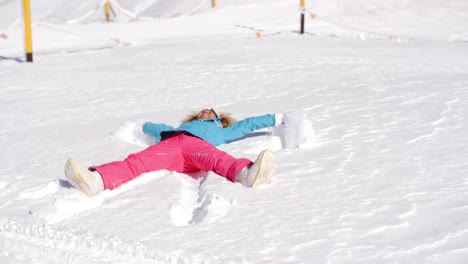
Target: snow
{"points": [[373, 170]]}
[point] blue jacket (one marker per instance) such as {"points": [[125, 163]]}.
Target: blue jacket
{"points": [[211, 129]]}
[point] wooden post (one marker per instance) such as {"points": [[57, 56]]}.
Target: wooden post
{"points": [[27, 30], [213, 3], [107, 8], [302, 15]]}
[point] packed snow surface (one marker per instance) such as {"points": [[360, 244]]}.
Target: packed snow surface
{"points": [[373, 167]]}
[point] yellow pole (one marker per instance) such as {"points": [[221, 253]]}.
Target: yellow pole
{"points": [[107, 7], [213, 3], [27, 30], [303, 5]]}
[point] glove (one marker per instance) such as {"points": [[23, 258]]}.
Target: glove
{"points": [[279, 119], [294, 130]]}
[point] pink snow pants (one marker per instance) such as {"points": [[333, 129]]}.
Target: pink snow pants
{"points": [[181, 153]]}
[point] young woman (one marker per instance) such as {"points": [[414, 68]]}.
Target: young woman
{"points": [[187, 148]]}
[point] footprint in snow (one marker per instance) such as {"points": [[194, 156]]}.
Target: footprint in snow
{"points": [[196, 206]]}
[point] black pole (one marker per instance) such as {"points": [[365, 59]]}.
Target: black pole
{"points": [[29, 57], [302, 23]]}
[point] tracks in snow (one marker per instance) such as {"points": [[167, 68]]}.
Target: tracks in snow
{"points": [[34, 242], [195, 205], [39, 243]]}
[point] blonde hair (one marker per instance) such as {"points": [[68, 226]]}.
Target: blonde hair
{"points": [[226, 118]]}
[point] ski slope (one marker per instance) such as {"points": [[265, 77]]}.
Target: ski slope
{"points": [[379, 87]]}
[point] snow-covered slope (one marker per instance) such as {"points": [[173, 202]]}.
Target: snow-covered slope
{"points": [[397, 20], [381, 179]]}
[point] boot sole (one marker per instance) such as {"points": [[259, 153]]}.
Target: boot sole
{"points": [[73, 175], [266, 167]]}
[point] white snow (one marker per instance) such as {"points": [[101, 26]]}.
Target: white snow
{"points": [[373, 168]]}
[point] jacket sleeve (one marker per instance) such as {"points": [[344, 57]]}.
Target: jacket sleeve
{"points": [[155, 129], [246, 126]]}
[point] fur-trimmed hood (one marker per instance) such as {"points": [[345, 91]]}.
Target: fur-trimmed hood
{"points": [[225, 118]]}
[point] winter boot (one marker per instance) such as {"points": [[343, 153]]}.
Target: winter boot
{"points": [[89, 182], [260, 172]]}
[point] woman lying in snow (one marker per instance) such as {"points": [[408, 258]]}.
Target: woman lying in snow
{"points": [[187, 148]]}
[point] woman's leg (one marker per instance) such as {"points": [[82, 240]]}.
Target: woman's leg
{"points": [[201, 155], [163, 155]]}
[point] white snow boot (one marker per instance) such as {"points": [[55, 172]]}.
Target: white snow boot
{"points": [[89, 182], [260, 172]]}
